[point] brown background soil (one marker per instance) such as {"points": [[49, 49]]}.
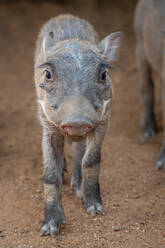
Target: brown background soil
{"points": [[133, 191]]}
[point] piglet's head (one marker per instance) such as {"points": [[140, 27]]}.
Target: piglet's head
{"points": [[76, 84]]}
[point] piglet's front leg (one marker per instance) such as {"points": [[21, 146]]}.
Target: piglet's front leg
{"points": [[90, 172], [54, 163]]}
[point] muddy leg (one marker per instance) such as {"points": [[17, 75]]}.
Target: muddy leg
{"points": [[90, 172], [54, 163], [148, 122], [78, 149]]}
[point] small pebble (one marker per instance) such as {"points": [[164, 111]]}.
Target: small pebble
{"points": [[95, 235], [115, 228], [142, 223]]}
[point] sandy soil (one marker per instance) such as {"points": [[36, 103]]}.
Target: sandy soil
{"points": [[133, 191]]}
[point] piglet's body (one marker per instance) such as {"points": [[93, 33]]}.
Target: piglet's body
{"points": [[74, 94]]}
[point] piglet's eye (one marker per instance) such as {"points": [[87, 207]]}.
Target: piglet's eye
{"points": [[49, 76], [103, 76]]}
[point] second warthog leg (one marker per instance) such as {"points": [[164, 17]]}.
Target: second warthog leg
{"points": [[90, 172], [78, 150]]}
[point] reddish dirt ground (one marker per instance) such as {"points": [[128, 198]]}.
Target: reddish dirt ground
{"points": [[133, 192]]}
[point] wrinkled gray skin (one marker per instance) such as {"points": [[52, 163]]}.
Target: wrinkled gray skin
{"points": [[150, 50], [74, 93]]}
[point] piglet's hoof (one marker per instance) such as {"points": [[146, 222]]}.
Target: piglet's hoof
{"points": [[51, 228], [96, 209], [54, 219]]}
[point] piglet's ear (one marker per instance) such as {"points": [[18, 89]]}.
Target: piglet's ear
{"points": [[109, 46], [47, 42]]}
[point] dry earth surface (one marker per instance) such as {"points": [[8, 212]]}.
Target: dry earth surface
{"points": [[133, 191]]}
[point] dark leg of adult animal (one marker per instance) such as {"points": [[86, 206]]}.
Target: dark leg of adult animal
{"points": [[148, 122], [54, 163], [160, 164], [90, 172], [78, 149]]}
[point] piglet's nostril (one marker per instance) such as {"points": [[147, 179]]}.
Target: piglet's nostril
{"points": [[67, 128], [87, 129]]}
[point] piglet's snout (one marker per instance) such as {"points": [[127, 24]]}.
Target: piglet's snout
{"points": [[76, 126]]}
